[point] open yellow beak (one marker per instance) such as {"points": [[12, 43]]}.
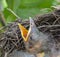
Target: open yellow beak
{"points": [[24, 32]]}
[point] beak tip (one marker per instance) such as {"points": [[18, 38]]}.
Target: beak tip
{"points": [[31, 20]]}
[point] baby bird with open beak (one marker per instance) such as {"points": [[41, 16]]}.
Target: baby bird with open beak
{"points": [[37, 41], [36, 38], [33, 38]]}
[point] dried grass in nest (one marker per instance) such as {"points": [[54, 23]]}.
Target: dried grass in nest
{"points": [[12, 39]]}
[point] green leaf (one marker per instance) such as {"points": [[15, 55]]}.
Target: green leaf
{"points": [[3, 4], [56, 2], [9, 16], [26, 8]]}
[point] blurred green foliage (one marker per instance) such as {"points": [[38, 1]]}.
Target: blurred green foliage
{"points": [[3, 4], [26, 8]]}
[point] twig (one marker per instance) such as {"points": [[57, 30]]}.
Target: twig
{"points": [[5, 44], [14, 44], [3, 27], [48, 26], [6, 53], [2, 39], [56, 21]]}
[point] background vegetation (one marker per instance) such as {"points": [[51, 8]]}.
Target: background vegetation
{"points": [[25, 8]]}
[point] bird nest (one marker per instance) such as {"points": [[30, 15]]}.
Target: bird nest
{"points": [[11, 38]]}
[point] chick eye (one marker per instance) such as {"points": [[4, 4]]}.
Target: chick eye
{"points": [[31, 38], [30, 45]]}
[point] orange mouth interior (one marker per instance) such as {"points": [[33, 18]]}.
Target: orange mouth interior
{"points": [[24, 32]]}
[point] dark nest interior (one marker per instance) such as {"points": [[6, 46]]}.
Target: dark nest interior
{"points": [[11, 38]]}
